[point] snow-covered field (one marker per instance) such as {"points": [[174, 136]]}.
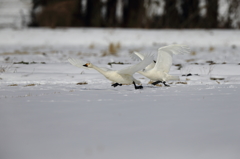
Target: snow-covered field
{"points": [[50, 109]]}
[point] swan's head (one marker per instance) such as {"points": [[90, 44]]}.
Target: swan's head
{"points": [[88, 65]]}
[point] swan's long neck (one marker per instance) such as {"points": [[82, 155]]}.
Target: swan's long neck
{"points": [[98, 69]]}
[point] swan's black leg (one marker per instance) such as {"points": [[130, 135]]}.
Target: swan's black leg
{"points": [[154, 83], [137, 87], [165, 84], [116, 84]]}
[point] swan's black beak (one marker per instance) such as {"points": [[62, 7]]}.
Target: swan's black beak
{"points": [[154, 61], [85, 65]]}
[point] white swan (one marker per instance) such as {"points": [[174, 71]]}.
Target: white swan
{"points": [[120, 77], [159, 72]]}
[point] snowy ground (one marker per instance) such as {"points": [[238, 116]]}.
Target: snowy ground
{"points": [[45, 114]]}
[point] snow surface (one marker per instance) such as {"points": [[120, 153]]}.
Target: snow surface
{"points": [[45, 114]]}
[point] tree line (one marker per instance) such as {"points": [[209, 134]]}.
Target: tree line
{"points": [[134, 13]]}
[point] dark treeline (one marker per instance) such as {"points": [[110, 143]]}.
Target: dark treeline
{"points": [[132, 13]]}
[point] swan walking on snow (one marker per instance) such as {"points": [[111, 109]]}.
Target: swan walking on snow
{"points": [[120, 77], [158, 72]]}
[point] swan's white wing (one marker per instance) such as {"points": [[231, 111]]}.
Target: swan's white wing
{"points": [[150, 66], [136, 56], [176, 49], [137, 67], [77, 62], [164, 59], [139, 57], [80, 63]]}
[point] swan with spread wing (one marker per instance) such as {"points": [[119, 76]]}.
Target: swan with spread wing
{"points": [[158, 71], [118, 77]]}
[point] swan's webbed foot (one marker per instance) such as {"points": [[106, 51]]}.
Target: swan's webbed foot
{"points": [[165, 84], [155, 83], [137, 87], [116, 84]]}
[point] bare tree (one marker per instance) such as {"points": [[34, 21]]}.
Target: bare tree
{"points": [[171, 16], [190, 13], [133, 13], [211, 20], [93, 13], [99, 13], [77, 14], [111, 13], [234, 14]]}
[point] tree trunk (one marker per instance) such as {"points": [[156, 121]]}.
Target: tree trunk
{"points": [[77, 14], [93, 13], [171, 16], [212, 14], [133, 13], [190, 14], [111, 13]]}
